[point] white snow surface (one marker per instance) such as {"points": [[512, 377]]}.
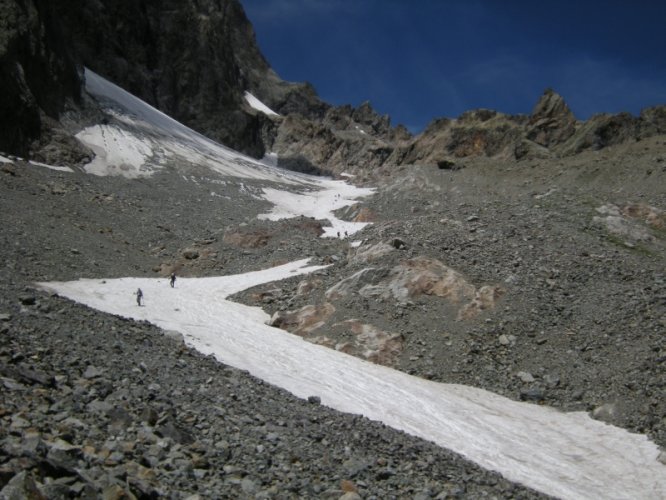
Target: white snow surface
{"points": [[318, 204], [117, 151], [39, 164], [567, 455], [142, 139], [258, 105]]}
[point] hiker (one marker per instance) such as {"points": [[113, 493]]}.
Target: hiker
{"points": [[338, 234], [172, 280], [139, 296]]}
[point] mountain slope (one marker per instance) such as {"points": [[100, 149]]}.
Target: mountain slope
{"points": [[574, 270], [121, 409], [522, 255], [362, 142]]}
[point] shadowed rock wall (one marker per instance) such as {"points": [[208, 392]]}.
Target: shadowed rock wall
{"points": [[37, 73]]}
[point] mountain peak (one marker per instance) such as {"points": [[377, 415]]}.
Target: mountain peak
{"points": [[551, 105]]}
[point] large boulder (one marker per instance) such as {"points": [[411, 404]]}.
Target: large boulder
{"points": [[303, 321], [370, 343]]}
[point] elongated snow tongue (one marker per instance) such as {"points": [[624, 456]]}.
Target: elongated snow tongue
{"points": [[567, 455]]}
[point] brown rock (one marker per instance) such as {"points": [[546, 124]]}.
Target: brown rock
{"points": [[304, 320]]}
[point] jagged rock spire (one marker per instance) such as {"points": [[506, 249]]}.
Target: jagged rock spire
{"points": [[551, 121]]}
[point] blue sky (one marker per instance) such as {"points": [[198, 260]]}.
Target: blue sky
{"points": [[417, 60]]}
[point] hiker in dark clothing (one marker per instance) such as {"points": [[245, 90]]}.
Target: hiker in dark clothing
{"points": [[172, 280], [139, 297]]}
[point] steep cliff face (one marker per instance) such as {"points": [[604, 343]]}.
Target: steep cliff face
{"points": [[551, 122], [177, 57], [191, 59], [38, 76]]}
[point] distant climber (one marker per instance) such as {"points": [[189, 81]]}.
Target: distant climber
{"points": [[139, 297], [338, 234], [172, 280]]}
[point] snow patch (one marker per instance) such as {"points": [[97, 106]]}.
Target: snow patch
{"points": [[318, 204], [142, 140], [567, 455], [52, 167], [258, 105], [117, 152]]}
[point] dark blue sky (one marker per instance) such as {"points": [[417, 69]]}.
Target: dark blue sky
{"points": [[421, 59]]}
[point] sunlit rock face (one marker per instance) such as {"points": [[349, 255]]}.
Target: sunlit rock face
{"points": [[421, 276], [304, 320], [634, 223], [353, 336]]}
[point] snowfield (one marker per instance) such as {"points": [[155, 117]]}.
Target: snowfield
{"points": [[568, 455], [318, 204], [141, 140]]}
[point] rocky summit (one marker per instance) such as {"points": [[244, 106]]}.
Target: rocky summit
{"points": [[524, 255]]}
